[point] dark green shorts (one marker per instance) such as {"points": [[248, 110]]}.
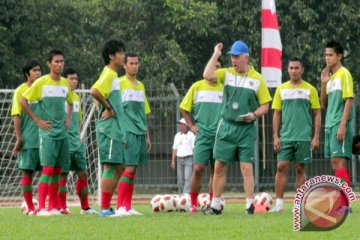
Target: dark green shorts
{"points": [[135, 151], [54, 152], [297, 151], [78, 161], [334, 148], [203, 150], [110, 151], [235, 142], [29, 159]]}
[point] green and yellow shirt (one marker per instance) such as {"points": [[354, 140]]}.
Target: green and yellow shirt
{"points": [[52, 96], [296, 104], [204, 102]]}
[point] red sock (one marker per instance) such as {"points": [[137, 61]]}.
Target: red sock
{"points": [[211, 196], [62, 194], [43, 187], [82, 191], [54, 190], [26, 184], [129, 192], [194, 198], [106, 200], [125, 180], [343, 174]]}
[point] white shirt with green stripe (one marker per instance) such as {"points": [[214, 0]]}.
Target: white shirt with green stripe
{"points": [[243, 93], [136, 106], [108, 87], [338, 88], [52, 96], [296, 103], [29, 130], [204, 102]]}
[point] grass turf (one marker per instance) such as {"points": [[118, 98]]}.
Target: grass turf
{"points": [[233, 224]]}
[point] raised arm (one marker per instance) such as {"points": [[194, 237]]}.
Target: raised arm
{"points": [[325, 77], [209, 71]]}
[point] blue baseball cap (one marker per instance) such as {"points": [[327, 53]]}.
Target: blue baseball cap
{"points": [[238, 48]]}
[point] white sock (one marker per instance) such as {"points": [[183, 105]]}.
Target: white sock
{"points": [[216, 203], [249, 201], [280, 202]]}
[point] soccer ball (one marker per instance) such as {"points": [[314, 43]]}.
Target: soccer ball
{"points": [[263, 200], [24, 208], [203, 201], [183, 203], [167, 203], [155, 203]]}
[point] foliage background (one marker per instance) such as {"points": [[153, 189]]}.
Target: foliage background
{"points": [[174, 38]]}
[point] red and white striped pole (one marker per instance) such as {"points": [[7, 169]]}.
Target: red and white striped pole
{"points": [[271, 52]]}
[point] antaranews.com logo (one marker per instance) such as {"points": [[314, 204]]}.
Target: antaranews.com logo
{"points": [[322, 203]]}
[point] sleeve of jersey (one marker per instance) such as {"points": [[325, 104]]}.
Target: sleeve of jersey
{"points": [[33, 94], [69, 97], [102, 86], [314, 99], [16, 107], [220, 75], [263, 93], [276, 104], [347, 85], [147, 106], [176, 142], [80, 112], [187, 102]]}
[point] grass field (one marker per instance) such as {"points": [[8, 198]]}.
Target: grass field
{"points": [[233, 224]]}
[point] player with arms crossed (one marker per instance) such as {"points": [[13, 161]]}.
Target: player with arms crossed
{"points": [[337, 95], [52, 91], [77, 153], [245, 98], [27, 133], [201, 109], [296, 110], [110, 132], [136, 107]]}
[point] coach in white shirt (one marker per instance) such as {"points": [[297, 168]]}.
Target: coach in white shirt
{"points": [[182, 155]]}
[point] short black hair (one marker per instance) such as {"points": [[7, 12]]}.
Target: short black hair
{"points": [[130, 54], [296, 59], [111, 47], [338, 49], [69, 71], [52, 53], [28, 65]]}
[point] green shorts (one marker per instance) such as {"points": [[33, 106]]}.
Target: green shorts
{"points": [[334, 148], [135, 151], [54, 152], [78, 161], [235, 142], [297, 151], [203, 150], [110, 150], [29, 159]]}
